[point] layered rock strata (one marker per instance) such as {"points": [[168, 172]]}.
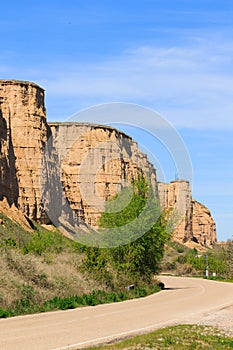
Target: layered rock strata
{"points": [[43, 168], [23, 137], [96, 162], [203, 225], [71, 169], [193, 221]]}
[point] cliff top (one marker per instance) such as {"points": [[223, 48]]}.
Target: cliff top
{"points": [[95, 126], [175, 181], [19, 82]]}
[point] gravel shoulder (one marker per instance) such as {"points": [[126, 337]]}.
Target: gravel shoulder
{"points": [[222, 319]]}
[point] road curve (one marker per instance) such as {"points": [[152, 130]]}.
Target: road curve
{"points": [[183, 300]]}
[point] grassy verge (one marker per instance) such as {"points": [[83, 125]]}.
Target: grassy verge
{"points": [[183, 261], [25, 306], [182, 337], [44, 271], [211, 278], [220, 279]]}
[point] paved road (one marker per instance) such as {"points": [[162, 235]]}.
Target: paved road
{"points": [[184, 300]]}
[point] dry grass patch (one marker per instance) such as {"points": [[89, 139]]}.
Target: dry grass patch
{"points": [[182, 337], [31, 277]]}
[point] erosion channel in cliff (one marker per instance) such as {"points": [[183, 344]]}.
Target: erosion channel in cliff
{"points": [[51, 172]]}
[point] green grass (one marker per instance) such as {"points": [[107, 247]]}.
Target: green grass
{"points": [[220, 279], [182, 261], [181, 337], [26, 305], [44, 271]]}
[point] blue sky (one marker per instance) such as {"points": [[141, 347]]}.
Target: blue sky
{"points": [[173, 56]]}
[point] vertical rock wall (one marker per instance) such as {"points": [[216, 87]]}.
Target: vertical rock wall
{"points": [[95, 163], [203, 225], [84, 163], [23, 116], [193, 220], [8, 181], [177, 195]]}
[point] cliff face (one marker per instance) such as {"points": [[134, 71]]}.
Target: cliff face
{"points": [[96, 162], [47, 166], [203, 225], [91, 162], [23, 137], [193, 220], [8, 181]]}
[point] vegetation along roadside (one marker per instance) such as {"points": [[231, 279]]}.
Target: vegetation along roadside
{"points": [[44, 270], [181, 337]]}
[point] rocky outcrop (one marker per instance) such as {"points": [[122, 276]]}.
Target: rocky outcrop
{"points": [[24, 133], [203, 225], [13, 213], [96, 162], [71, 169], [8, 181], [193, 221]]}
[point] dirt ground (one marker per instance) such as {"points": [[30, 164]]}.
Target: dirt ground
{"points": [[222, 319]]}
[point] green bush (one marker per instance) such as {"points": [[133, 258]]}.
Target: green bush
{"points": [[180, 249], [142, 256], [99, 297], [182, 259], [44, 241], [26, 303], [5, 313], [10, 242], [170, 266], [217, 261]]}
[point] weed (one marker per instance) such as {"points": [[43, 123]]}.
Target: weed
{"points": [[182, 337]]}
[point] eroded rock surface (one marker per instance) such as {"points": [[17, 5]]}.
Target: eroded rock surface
{"points": [[73, 168], [23, 137], [193, 220], [96, 162]]}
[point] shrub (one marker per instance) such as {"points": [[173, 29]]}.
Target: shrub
{"points": [[182, 259], [141, 257], [44, 241]]}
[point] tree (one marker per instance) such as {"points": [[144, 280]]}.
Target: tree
{"points": [[230, 258], [139, 233]]}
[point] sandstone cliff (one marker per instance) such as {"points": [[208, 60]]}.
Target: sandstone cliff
{"points": [[71, 169], [203, 225], [23, 137], [193, 220], [96, 162]]}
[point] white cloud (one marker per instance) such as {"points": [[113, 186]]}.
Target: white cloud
{"points": [[192, 86]]}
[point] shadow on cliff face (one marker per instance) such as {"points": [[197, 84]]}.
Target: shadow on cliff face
{"points": [[56, 208], [8, 180]]}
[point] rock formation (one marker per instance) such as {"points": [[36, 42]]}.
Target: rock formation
{"points": [[29, 168], [193, 220], [203, 225], [96, 162], [23, 138], [71, 169]]}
